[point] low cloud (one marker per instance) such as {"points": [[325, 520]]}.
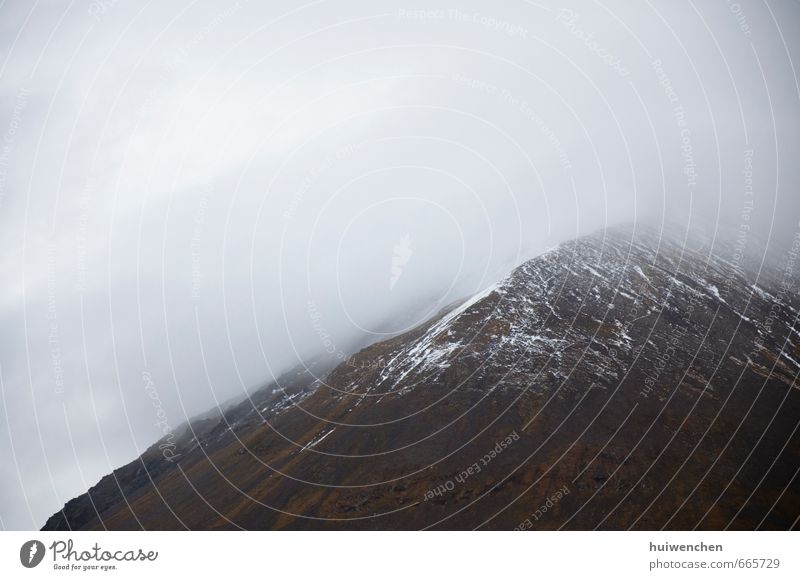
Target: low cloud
{"points": [[195, 198]]}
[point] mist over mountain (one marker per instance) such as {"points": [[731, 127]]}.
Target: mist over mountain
{"points": [[201, 199], [630, 379]]}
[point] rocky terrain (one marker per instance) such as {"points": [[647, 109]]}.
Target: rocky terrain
{"points": [[625, 380]]}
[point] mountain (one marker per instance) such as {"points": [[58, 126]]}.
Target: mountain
{"points": [[627, 379]]}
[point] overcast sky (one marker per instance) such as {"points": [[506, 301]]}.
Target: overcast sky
{"points": [[196, 196]]}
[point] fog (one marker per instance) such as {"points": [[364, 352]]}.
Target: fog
{"points": [[197, 196]]}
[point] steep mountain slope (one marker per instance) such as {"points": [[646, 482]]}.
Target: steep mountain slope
{"points": [[622, 380]]}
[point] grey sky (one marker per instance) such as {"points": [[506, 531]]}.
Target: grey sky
{"points": [[206, 193]]}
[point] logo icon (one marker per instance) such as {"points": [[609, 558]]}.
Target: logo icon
{"points": [[400, 259], [31, 553]]}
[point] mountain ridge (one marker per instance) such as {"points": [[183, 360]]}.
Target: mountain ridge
{"points": [[611, 358]]}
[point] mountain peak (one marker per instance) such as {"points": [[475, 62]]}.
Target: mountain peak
{"points": [[607, 366]]}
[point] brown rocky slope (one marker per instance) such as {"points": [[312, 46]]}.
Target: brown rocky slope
{"points": [[622, 380]]}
